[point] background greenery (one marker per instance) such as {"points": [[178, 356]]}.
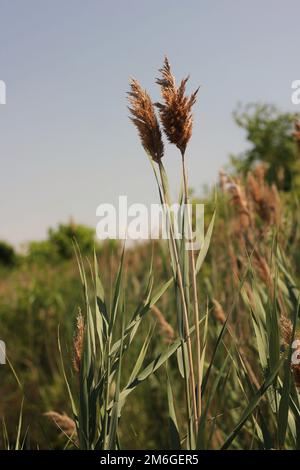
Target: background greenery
{"points": [[41, 290]]}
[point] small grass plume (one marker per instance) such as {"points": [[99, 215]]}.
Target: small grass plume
{"points": [[78, 341]]}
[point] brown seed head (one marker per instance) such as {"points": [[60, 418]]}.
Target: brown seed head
{"points": [[286, 330], [262, 267], [239, 200], [63, 422], [175, 112], [144, 118], [255, 189], [266, 198], [78, 342]]}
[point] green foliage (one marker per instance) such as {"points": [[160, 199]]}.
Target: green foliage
{"points": [[41, 251], [98, 401], [8, 256], [270, 135], [62, 238], [58, 246], [120, 396]]}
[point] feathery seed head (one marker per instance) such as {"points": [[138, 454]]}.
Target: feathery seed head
{"points": [[66, 424], [175, 111], [78, 342], [266, 199], [239, 200], [286, 330], [63, 422], [144, 118]]}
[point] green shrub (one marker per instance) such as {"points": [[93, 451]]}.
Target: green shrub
{"points": [[8, 256]]}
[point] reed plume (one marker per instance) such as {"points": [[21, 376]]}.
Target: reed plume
{"points": [[239, 200], [144, 118], [177, 120], [64, 423], [265, 197], [175, 111], [78, 342], [286, 330]]}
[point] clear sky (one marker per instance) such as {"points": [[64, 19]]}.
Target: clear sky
{"points": [[66, 144]]}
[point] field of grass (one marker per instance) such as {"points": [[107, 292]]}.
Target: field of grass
{"points": [[155, 346]]}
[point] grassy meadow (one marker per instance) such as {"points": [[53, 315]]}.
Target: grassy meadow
{"points": [[154, 346]]}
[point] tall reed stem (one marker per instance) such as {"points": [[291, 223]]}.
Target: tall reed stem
{"points": [[184, 305], [195, 292]]}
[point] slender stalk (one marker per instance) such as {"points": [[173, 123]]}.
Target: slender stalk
{"points": [[105, 438], [195, 292], [185, 311], [164, 193]]}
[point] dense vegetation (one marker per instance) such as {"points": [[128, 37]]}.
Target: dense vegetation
{"points": [[248, 289]]}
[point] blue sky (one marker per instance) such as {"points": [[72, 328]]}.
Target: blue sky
{"points": [[66, 143]]}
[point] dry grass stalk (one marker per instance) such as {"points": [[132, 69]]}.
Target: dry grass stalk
{"points": [[64, 423], [239, 200], [265, 197], [263, 268], [166, 330], [175, 111], [144, 118], [78, 342], [256, 198]]}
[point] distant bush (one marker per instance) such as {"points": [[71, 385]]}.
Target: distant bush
{"points": [[270, 134], [59, 245], [8, 256], [62, 237], [43, 251]]}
